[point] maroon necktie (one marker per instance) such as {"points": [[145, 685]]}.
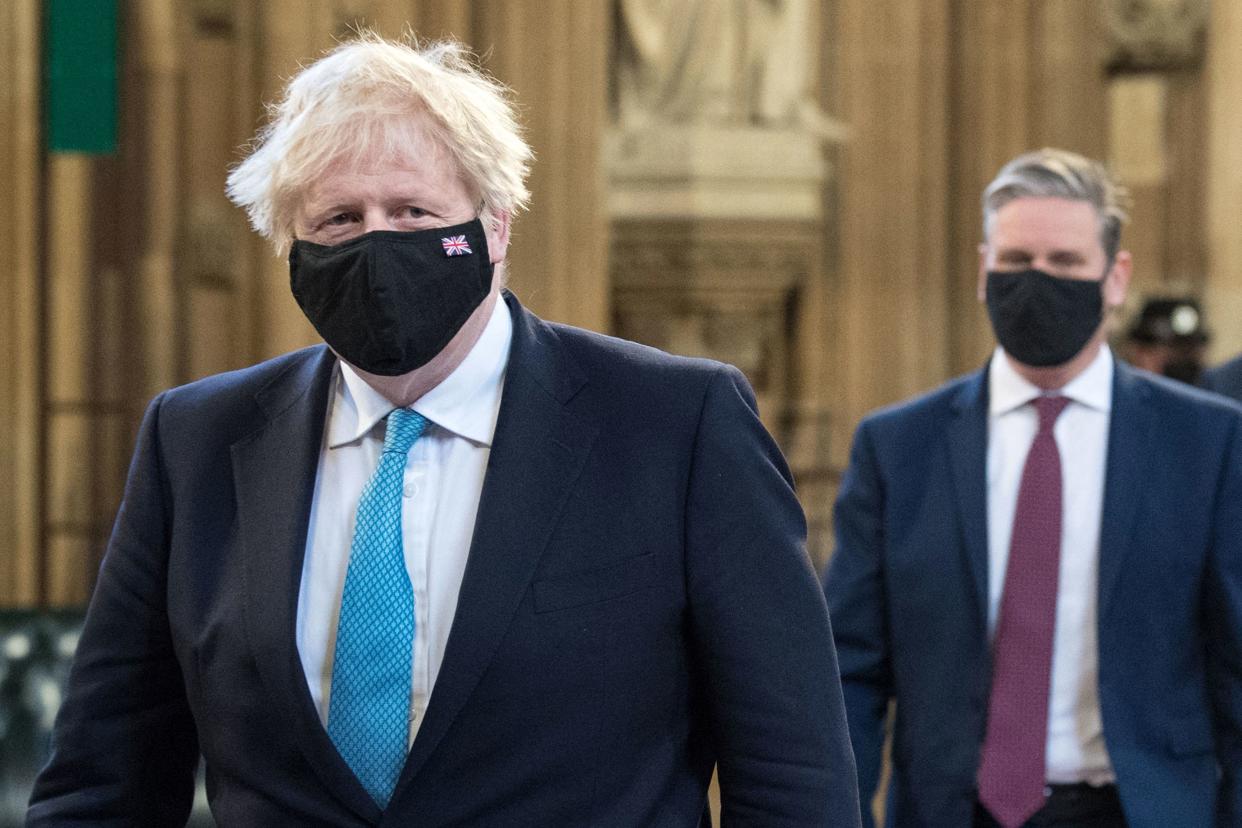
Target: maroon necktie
{"points": [[1011, 770]]}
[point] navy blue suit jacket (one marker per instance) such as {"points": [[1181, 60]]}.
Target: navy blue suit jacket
{"points": [[637, 606], [907, 589], [1225, 378]]}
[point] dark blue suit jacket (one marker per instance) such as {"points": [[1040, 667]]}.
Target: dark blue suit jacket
{"points": [[637, 606], [1225, 378], [907, 589]]}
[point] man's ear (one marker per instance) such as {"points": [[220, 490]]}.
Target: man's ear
{"points": [[1117, 280], [496, 228], [981, 289]]}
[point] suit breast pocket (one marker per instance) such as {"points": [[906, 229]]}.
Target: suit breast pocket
{"points": [[594, 586]]}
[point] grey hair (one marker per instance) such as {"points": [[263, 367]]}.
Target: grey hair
{"points": [[366, 95], [1057, 173]]}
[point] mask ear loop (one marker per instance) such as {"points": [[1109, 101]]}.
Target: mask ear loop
{"points": [[1105, 310], [479, 209]]}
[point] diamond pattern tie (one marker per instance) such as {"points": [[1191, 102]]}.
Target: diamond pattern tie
{"points": [[369, 707], [1011, 770]]}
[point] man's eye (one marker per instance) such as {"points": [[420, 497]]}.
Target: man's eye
{"points": [[413, 212], [339, 219]]}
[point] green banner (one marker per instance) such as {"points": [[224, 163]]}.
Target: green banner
{"points": [[80, 75]]}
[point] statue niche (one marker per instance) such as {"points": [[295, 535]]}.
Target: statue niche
{"points": [[722, 62]]}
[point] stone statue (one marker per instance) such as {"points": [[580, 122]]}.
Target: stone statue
{"points": [[716, 62]]}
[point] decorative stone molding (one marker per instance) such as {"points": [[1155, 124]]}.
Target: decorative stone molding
{"points": [[1156, 35], [714, 172], [721, 289]]}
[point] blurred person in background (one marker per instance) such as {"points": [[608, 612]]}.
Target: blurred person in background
{"points": [[1168, 336]]}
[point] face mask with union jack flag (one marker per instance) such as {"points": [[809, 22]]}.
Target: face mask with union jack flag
{"points": [[388, 301]]}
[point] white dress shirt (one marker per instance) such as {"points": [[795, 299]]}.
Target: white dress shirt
{"points": [[1076, 751], [443, 483]]}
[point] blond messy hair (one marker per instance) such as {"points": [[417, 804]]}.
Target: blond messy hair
{"points": [[366, 95]]}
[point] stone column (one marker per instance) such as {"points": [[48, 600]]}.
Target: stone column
{"points": [[21, 430], [291, 33], [69, 408], [432, 19], [158, 78], [222, 278], [553, 55], [1224, 180], [895, 291]]}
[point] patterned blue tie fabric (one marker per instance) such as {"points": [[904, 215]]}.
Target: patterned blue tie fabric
{"points": [[369, 708]]}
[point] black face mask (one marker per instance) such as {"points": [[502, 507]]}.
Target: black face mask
{"points": [[389, 301], [1041, 320]]}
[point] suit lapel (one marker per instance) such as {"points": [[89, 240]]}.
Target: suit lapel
{"points": [[1130, 433], [968, 445], [538, 451], [274, 472]]}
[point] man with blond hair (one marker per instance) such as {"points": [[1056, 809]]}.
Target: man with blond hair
{"points": [[1041, 563], [459, 566]]}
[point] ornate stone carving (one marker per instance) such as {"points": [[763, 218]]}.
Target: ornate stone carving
{"points": [[724, 290], [1156, 35]]}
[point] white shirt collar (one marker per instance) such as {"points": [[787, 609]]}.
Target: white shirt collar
{"points": [[466, 402], [1009, 390]]}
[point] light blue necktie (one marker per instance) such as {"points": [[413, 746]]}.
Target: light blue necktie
{"points": [[369, 710]]}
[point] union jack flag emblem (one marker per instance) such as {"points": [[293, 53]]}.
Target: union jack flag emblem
{"points": [[455, 246]]}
